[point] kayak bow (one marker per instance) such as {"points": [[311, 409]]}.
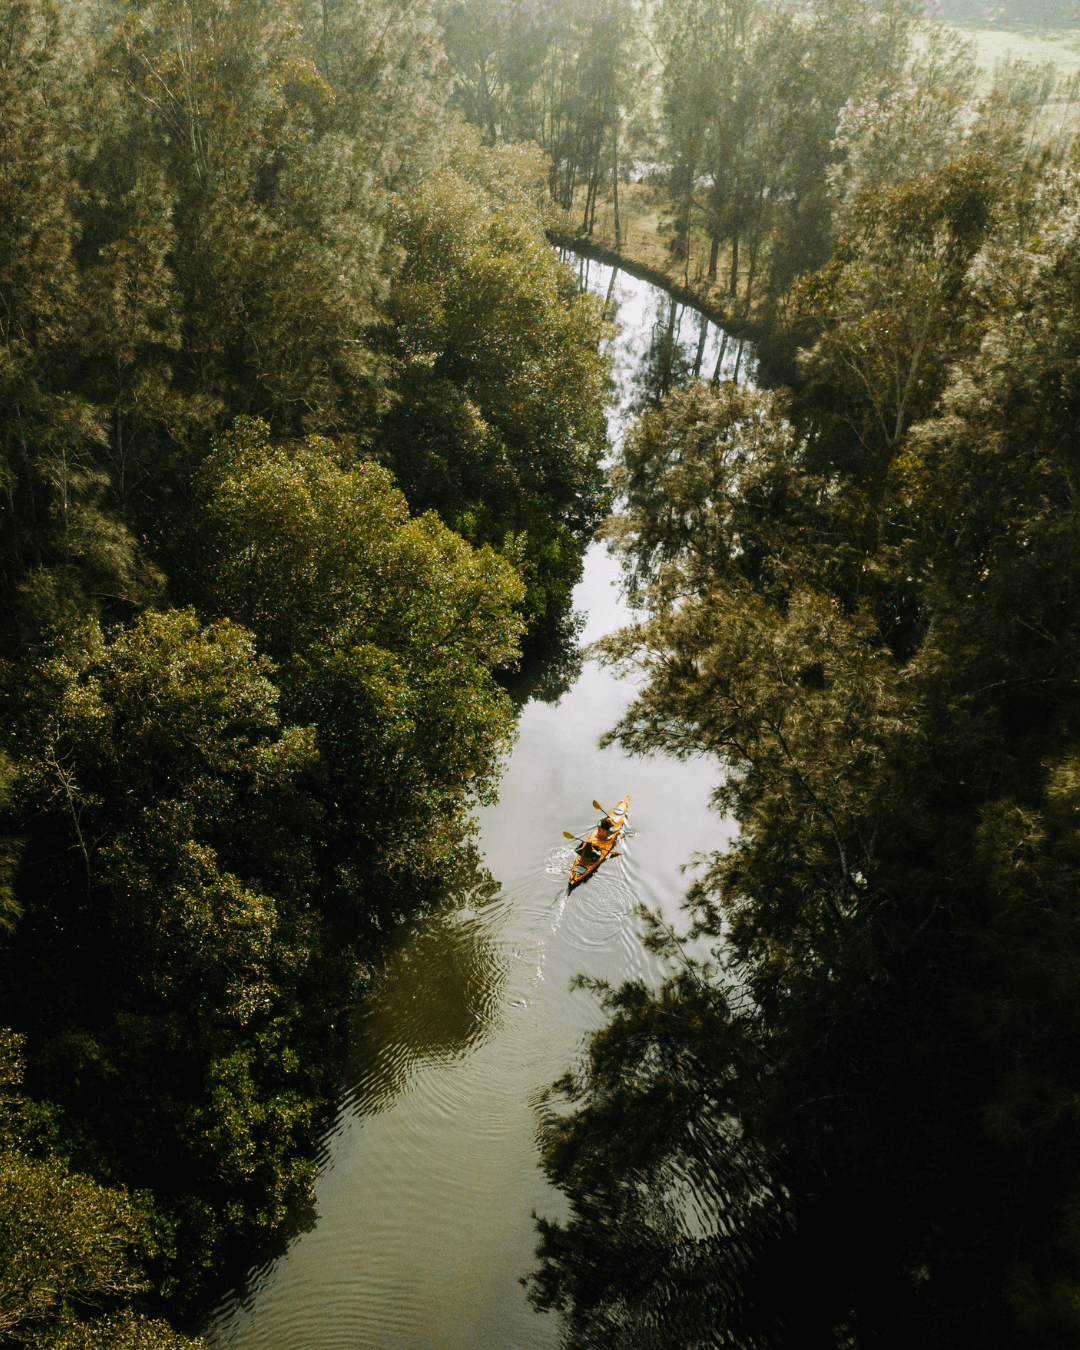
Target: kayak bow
{"points": [[584, 867]]}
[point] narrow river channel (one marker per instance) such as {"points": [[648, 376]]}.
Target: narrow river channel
{"points": [[430, 1173]]}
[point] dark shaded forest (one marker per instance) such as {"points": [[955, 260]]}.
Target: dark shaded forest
{"points": [[848, 1117]]}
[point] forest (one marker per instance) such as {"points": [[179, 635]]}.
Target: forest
{"points": [[302, 441], [301, 433], [848, 1117]]}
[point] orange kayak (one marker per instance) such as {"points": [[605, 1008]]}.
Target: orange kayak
{"points": [[584, 867]]}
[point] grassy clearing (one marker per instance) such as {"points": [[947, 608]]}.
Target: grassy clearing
{"points": [[641, 213], [993, 48]]}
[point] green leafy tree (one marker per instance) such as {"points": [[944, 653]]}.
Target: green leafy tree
{"points": [[63, 552], [388, 72], [262, 185], [498, 418], [386, 629], [160, 970], [67, 1245]]}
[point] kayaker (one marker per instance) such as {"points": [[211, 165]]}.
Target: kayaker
{"points": [[603, 832], [597, 845]]}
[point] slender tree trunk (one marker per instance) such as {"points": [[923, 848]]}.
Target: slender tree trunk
{"points": [[590, 201], [714, 252], [684, 195], [595, 192], [701, 346], [750, 276], [569, 184], [735, 261], [715, 227], [615, 176], [485, 96]]}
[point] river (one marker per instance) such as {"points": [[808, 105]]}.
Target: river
{"points": [[429, 1174]]}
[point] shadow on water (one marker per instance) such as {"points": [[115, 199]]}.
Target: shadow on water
{"points": [[659, 1251], [436, 1001], [549, 665]]}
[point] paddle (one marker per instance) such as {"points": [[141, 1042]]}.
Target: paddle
{"points": [[575, 837]]}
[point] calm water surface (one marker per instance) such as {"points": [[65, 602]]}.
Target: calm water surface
{"points": [[430, 1173]]}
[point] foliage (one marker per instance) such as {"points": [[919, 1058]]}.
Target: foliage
{"points": [[260, 184], [167, 944], [204, 203], [210, 817], [498, 419], [386, 629], [569, 77], [857, 1121], [122, 1331], [10, 849], [203, 875], [63, 554], [65, 1242], [63, 1236]]}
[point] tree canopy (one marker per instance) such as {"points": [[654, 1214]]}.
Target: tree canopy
{"points": [[256, 283]]}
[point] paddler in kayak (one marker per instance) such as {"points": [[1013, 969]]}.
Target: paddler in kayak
{"points": [[600, 835], [598, 844]]}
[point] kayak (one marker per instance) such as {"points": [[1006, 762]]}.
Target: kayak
{"points": [[584, 868]]}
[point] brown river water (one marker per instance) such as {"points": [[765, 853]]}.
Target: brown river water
{"points": [[430, 1170]]}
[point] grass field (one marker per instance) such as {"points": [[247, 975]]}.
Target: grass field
{"points": [[994, 47]]}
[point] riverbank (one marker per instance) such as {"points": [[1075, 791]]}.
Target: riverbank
{"points": [[705, 300]]}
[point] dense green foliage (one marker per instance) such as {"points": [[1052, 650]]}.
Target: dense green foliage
{"points": [[571, 77], [300, 437], [498, 393], [856, 1123], [67, 1244], [197, 226], [385, 629]]}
